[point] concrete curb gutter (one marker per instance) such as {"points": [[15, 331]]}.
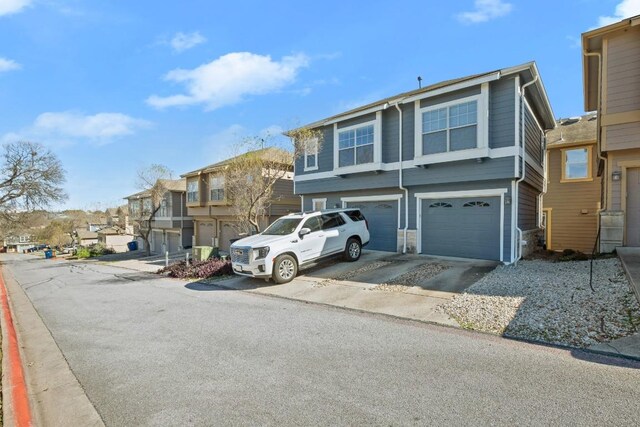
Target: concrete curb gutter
{"points": [[55, 395]]}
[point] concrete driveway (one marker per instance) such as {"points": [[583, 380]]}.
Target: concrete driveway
{"points": [[407, 286]]}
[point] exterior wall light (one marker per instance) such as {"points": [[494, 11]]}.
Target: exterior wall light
{"points": [[507, 200], [616, 176]]}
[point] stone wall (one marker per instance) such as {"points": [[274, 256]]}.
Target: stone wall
{"points": [[611, 230], [530, 240], [412, 242]]}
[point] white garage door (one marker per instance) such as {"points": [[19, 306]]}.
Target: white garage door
{"points": [[173, 242], [156, 242]]}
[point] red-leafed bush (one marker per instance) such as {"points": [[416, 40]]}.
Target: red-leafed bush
{"points": [[198, 269]]}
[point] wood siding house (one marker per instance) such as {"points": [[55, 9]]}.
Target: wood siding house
{"points": [[455, 168], [572, 201], [611, 61], [214, 221]]}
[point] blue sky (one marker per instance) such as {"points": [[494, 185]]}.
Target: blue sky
{"points": [[112, 86]]}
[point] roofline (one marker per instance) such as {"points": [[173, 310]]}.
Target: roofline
{"points": [[594, 34], [557, 145], [426, 93]]}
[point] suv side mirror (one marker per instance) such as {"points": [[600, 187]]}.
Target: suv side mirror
{"points": [[304, 231]]}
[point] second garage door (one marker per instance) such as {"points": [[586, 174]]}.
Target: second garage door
{"points": [[173, 242], [157, 241], [465, 228], [383, 223]]}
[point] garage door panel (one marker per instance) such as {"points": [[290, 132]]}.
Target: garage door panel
{"points": [[382, 217], [157, 241], [173, 242], [467, 228]]}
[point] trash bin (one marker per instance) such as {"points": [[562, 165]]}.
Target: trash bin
{"points": [[133, 245], [48, 254]]}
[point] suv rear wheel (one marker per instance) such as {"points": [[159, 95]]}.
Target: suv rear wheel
{"points": [[353, 250], [285, 269]]}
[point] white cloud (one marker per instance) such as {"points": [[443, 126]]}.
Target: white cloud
{"points": [[181, 41], [66, 128], [7, 7], [485, 10], [228, 79], [624, 9], [8, 64]]}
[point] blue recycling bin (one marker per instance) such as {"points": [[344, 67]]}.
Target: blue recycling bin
{"points": [[133, 246], [48, 254]]}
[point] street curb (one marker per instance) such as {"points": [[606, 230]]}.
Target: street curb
{"points": [[56, 395], [13, 379], [441, 325]]}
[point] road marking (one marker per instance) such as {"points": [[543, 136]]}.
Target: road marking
{"points": [[19, 395]]}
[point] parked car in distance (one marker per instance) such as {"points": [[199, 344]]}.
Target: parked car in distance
{"points": [[298, 239]]}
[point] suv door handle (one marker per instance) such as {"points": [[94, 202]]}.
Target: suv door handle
{"points": [[341, 229]]}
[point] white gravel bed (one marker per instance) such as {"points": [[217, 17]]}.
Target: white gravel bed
{"points": [[551, 302], [412, 278]]}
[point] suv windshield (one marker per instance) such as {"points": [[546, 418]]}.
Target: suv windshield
{"points": [[282, 227]]}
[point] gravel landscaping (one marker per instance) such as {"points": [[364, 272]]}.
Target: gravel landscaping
{"points": [[551, 302], [408, 280], [353, 273]]}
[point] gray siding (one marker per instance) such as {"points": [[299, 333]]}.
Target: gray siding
{"points": [[325, 154], [408, 133], [533, 178], [451, 96], [357, 120], [282, 189], [527, 207], [364, 181], [623, 72], [390, 139], [176, 198], [502, 110], [533, 137]]}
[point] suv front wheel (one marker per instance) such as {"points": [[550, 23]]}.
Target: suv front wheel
{"points": [[285, 269], [353, 250]]}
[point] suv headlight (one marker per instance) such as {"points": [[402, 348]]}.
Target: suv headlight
{"points": [[260, 253]]}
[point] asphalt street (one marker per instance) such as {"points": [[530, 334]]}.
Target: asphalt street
{"points": [[152, 351]]}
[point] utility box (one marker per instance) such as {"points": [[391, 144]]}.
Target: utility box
{"points": [[203, 253]]}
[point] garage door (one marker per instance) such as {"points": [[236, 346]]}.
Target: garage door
{"points": [[383, 223], [173, 242], [227, 233], [466, 228], [156, 242], [205, 233]]}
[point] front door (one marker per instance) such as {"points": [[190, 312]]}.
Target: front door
{"points": [[633, 207]]}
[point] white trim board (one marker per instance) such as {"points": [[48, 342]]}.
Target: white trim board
{"points": [[323, 201], [496, 192]]}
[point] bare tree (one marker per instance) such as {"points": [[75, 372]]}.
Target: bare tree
{"points": [[31, 178], [152, 182]]}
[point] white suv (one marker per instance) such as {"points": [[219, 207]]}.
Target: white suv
{"points": [[298, 239]]}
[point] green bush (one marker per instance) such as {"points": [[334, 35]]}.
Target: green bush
{"points": [[83, 252], [94, 250]]}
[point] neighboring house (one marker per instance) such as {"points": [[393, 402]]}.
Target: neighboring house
{"points": [[612, 87], [86, 237], [114, 238], [572, 201], [18, 243], [215, 223], [171, 228], [436, 170], [118, 217], [96, 226]]}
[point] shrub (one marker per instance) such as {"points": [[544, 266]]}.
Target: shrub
{"points": [[83, 252], [198, 269], [94, 250]]}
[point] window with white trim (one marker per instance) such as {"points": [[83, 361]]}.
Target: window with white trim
{"points": [[165, 207], [311, 154], [319, 204], [192, 191], [216, 188], [355, 146], [451, 128]]}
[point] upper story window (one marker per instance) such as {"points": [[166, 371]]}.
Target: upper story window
{"points": [[451, 128], [216, 185], [146, 206], [192, 191], [134, 208], [355, 146], [576, 164], [165, 207], [311, 154]]}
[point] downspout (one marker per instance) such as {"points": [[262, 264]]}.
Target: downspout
{"points": [[598, 137], [181, 218], [406, 192], [544, 184], [524, 167]]}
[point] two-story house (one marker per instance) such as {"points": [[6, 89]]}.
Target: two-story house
{"points": [[171, 227], [611, 65], [572, 201], [452, 169], [211, 208]]}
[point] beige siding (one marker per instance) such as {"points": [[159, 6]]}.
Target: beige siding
{"points": [[623, 136], [570, 227], [615, 187], [623, 71]]}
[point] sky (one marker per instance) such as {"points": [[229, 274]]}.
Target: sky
{"points": [[115, 86]]}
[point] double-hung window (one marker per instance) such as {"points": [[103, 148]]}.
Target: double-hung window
{"points": [[576, 164], [216, 186], [192, 191], [450, 128], [355, 146], [311, 154]]}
